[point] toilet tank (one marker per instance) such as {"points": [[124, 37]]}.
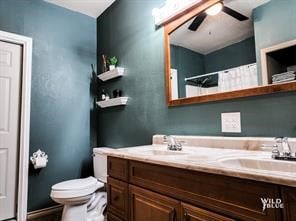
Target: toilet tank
{"points": [[100, 164]]}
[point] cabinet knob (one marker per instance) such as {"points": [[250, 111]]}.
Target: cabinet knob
{"points": [[115, 198]]}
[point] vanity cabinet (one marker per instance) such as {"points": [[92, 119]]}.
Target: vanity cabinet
{"points": [[140, 191]]}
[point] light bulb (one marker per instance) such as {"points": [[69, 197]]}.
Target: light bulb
{"points": [[215, 9]]}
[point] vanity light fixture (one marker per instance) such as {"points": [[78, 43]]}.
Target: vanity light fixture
{"points": [[215, 9]]}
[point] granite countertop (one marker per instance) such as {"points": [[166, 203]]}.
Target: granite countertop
{"points": [[220, 161]]}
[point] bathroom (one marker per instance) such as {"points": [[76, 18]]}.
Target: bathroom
{"points": [[66, 122]]}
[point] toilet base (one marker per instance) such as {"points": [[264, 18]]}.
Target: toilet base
{"points": [[74, 213]]}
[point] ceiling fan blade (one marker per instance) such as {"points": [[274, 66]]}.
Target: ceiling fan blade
{"points": [[197, 21], [234, 14]]}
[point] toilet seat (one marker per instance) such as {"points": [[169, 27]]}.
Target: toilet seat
{"points": [[75, 188]]}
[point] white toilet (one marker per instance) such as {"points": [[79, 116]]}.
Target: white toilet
{"points": [[84, 199]]}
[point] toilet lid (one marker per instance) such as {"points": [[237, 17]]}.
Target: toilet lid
{"points": [[77, 184]]}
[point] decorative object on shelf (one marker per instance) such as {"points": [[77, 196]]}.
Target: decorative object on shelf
{"points": [[117, 93], [104, 63], [103, 95], [39, 159], [113, 102], [112, 63], [117, 72], [107, 97]]}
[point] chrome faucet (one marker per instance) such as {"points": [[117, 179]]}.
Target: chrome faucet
{"points": [[282, 149], [287, 152], [172, 142]]}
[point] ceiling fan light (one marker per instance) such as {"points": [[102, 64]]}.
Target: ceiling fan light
{"points": [[215, 9]]}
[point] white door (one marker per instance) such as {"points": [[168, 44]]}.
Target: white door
{"points": [[174, 84], [10, 77]]}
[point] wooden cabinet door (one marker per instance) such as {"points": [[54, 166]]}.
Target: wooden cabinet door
{"points": [[192, 213], [150, 206], [289, 197]]}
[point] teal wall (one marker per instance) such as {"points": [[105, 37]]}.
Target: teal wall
{"points": [[188, 63], [64, 46], [235, 55], [126, 30]]}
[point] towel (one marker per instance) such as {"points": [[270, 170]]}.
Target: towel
{"points": [[284, 77], [97, 206]]}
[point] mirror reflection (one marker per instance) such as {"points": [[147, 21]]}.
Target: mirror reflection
{"points": [[215, 51]]}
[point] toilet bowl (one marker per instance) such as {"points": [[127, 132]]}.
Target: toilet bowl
{"points": [[83, 199]]}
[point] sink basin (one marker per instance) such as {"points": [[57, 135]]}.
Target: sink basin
{"points": [[260, 164]]}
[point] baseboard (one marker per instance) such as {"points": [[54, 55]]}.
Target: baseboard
{"points": [[49, 214]]}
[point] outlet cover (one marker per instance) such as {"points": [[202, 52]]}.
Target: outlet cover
{"points": [[231, 122]]}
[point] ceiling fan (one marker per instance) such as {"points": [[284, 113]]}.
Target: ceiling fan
{"points": [[214, 10]]}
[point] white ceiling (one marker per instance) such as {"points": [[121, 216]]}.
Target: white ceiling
{"points": [[218, 31], [93, 8]]}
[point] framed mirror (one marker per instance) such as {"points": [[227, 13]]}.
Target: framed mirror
{"points": [[211, 54]]}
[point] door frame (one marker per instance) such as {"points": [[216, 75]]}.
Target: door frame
{"points": [[24, 132]]}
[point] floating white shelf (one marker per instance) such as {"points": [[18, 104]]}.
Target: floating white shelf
{"points": [[117, 72], [113, 102]]}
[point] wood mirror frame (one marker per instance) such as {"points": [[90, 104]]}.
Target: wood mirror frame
{"points": [[175, 23]]}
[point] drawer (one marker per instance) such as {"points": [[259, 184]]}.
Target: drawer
{"points": [[117, 192], [118, 168], [233, 197]]}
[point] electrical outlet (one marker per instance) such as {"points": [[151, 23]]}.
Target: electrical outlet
{"points": [[231, 122]]}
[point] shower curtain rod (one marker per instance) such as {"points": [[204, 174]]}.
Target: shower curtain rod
{"points": [[210, 74]]}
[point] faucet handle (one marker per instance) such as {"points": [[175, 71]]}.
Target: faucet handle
{"points": [[165, 139], [279, 139], [275, 152]]}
